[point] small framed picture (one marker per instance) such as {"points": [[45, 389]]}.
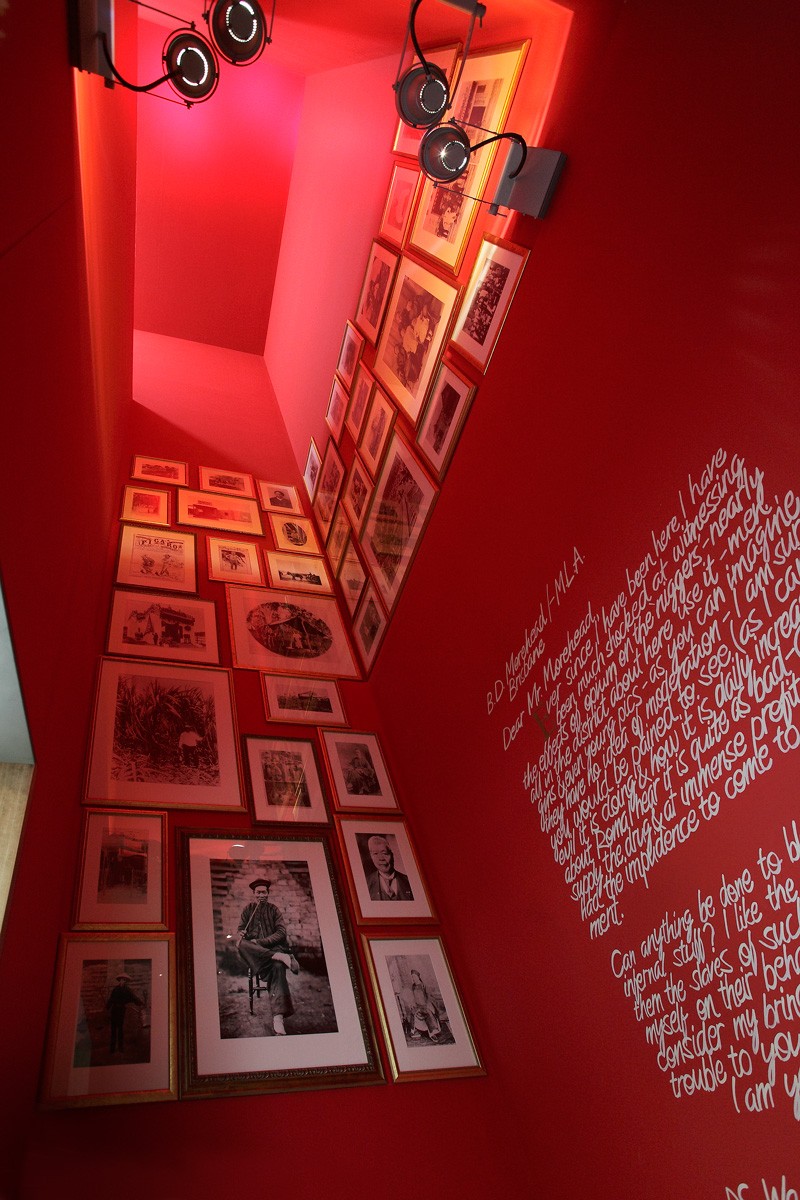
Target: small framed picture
{"points": [[229, 483], [233, 562], [375, 433], [331, 478], [285, 780], [123, 882], [295, 534], [298, 572], [278, 497], [357, 493], [352, 344], [285, 633], [299, 700], [337, 407], [157, 560], [147, 625], [375, 289], [488, 297], [212, 510], [407, 138], [399, 203], [383, 872], [358, 772], [159, 470], [444, 219], [112, 1025], [337, 538], [444, 416], [148, 505], [360, 394], [352, 576], [422, 1017], [369, 626], [311, 469], [163, 736]]}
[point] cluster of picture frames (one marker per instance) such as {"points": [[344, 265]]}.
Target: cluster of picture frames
{"points": [[133, 1019], [409, 361]]}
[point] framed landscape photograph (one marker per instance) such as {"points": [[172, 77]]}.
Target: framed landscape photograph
{"points": [[360, 394], [377, 428], [112, 1036], [487, 299], [352, 344], [233, 562], [159, 470], [407, 139], [149, 505], [337, 407], [298, 572], [123, 882], [279, 497], [213, 510], [444, 416], [337, 538], [417, 325], [382, 870], [295, 534], [352, 576], [282, 632], [375, 289], [163, 737], [285, 780], [299, 700], [157, 560], [303, 1022], [311, 469], [147, 625], [422, 1017], [401, 507], [357, 493], [369, 626], [358, 772], [399, 202], [331, 477], [230, 483]]}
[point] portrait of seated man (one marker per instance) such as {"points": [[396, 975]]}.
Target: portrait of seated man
{"points": [[385, 883], [264, 946]]}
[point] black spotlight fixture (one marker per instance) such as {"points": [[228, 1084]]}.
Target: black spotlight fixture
{"points": [[422, 93], [190, 65], [239, 30], [444, 151]]}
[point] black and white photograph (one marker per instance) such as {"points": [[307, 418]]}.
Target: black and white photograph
{"points": [[148, 558], [487, 299], [294, 534], [384, 875], [273, 989], [147, 505], [377, 427], [352, 344], [232, 483], [357, 492], [419, 1000], [230, 561], [280, 631], [115, 1012], [298, 572], [278, 497], [300, 700], [369, 626], [444, 219], [360, 394], [444, 416], [311, 469], [374, 296], [159, 470], [147, 625], [285, 780], [215, 510], [331, 478], [123, 875]]}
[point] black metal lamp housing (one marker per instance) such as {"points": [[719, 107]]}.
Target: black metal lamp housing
{"points": [[422, 94], [191, 65], [444, 152], [238, 29]]}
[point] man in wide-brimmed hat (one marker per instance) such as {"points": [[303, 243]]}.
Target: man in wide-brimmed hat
{"points": [[264, 946]]}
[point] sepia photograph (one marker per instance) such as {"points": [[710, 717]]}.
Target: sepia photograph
{"points": [[232, 483], [298, 572], [360, 394], [285, 780], [384, 875], [123, 873], [151, 559], [279, 497], [230, 561], [146, 625], [300, 700], [444, 219], [337, 407], [352, 345], [278, 631], [444, 416], [331, 477], [294, 534], [487, 299], [213, 510], [374, 297], [358, 771], [357, 492], [369, 625], [377, 428], [337, 538], [352, 576], [160, 470], [148, 505]]}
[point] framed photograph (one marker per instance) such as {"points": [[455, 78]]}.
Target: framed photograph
{"points": [[382, 871], [298, 572], [148, 505], [377, 428], [352, 577], [483, 98], [357, 493], [159, 470], [285, 780], [279, 497], [123, 882], [273, 998], [358, 772], [401, 507], [233, 562], [295, 534], [299, 700], [288, 634], [352, 344], [337, 538], [407, 139], [311, 469], [374, 296], [417, 325], [369, 626], [422, 1017], [337, 407], [212, 510], [230, 483], [444, 416], [360, 395], [331, 477], [163, 737], [166, 561], [444, 218], [147, 625], [487, 299], [112, 1024], [399, 202]]}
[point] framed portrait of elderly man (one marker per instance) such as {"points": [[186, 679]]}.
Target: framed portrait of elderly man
{"points": [[273, 997], [382, 870]]}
